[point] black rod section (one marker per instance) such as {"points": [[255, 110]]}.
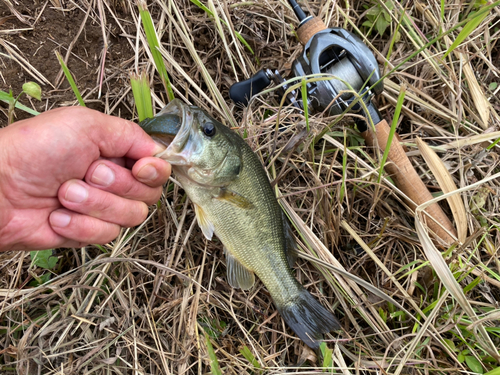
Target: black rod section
{"points": [[298, 10]]}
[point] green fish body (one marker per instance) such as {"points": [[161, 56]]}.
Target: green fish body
{"points": [[234, 200]]}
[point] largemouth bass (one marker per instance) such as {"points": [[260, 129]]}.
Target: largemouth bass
{"points": [[233, 199]]}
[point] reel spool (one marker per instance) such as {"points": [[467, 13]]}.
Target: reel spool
{"points": [[333, 52]]}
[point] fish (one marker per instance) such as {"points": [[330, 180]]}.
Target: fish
{"points": [[234, 200]]}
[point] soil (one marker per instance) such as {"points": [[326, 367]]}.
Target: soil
{"points": [[55, 30]]}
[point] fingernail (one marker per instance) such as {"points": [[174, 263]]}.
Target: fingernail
{"points": [[103, 175], [59, 219], [147, 173], [76, 193]]}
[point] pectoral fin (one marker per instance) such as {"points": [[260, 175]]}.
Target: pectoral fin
{"points": [[206, 225], [236, 199], [237, 275]]}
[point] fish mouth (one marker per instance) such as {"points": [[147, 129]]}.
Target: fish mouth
{"points": [[172, 128], [162, 129]]}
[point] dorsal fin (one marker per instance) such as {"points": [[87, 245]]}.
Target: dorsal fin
{"points": [[237, 275]]}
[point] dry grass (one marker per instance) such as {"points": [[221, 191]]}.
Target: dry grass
{"points": [[147, 303]]}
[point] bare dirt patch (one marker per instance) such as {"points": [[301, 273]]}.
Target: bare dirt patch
{"points": [[51, 30]]}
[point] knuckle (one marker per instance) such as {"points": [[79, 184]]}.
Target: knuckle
{"points": [[76, 112], [140, 192], [87, 228], [103, 201], [97, 231], [131, 190], [138, 214], [116, 210]]}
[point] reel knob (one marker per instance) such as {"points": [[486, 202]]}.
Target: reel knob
{"points": [[242, 91]]}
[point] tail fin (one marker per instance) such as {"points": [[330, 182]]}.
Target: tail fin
{"points": [[308, 318]]}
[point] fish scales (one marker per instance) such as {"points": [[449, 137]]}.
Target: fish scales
{"points": [[245, 236]]}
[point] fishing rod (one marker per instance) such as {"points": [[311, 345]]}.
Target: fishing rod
{"points": [[340, 54]]}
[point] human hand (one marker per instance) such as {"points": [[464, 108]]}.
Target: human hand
{"points": [[65, 182]]}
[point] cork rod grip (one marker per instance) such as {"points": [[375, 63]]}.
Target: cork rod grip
{"points": [[307, 30], [407, 180]]}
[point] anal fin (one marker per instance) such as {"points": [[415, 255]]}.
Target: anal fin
{"points": [[238, 276]]}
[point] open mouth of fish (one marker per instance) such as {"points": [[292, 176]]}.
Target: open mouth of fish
{"points": [[171, 127]]}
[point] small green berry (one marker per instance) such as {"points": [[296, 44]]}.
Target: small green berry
{"points": [[33, 89]]}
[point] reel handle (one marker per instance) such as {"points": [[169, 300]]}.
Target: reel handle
{"points": [[242, 91]]}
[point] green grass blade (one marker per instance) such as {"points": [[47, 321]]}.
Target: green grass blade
{"points": [[393, 40], [442, 11], [152, 38], [70, 79], [214, 363], [203, 7], [468, 28], [493, 144], [142, 95], [245, 43], [249, 356], [471, 286], [327, 356], [5, 97], [27, 109], [395, 119], [303, 89], [494, 372], [343, 186]]}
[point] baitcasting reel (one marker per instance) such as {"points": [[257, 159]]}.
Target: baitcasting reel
{"points": [[331, 51], [337, 53]]}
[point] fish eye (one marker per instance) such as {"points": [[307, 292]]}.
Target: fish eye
{"points": [[209, 129]]}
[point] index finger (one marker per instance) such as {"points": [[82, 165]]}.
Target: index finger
{"points": [[115, 137]]}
